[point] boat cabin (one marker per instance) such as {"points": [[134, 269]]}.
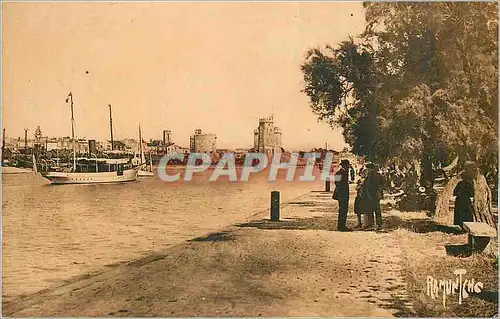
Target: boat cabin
{"points": [[94, 165]]}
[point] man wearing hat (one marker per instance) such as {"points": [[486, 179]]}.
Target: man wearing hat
{"points": [[341, 193]]}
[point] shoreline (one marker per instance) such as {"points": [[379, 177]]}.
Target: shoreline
{"points": [[16, 170], [106, 267], [260, 257], [297, 266]]}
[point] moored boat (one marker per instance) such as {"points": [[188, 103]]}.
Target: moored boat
{"points": [[143, 173], [92, 170], [144, 170]]}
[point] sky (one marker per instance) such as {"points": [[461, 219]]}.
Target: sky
{"points": [[218, 67]]}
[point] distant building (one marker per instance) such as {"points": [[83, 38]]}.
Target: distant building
{"points": [[163, 146], [65, 143], [17, 144], [131, 144], [82, 146], [267, 137], [58, 143], [155, 146], [172, 148], [202, 142], [51, 144], [117, 146]]}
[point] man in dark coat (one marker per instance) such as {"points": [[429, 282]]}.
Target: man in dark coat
{"points": [[341, 193]]}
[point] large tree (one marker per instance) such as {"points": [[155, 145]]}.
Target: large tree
{"points": [[419, 82]]}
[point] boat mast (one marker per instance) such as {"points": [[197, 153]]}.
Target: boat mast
{"points": [[3, 146], [72, 130], [150, 162], [111, 126], [140, 143]]}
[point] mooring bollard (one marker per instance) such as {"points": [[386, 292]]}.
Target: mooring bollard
{"points": [[275, 206], [327, 184]]}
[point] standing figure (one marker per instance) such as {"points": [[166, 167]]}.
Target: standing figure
{"points": [[353, 173], [360, 202], [464, 192], [341, 193], [374, 184]]}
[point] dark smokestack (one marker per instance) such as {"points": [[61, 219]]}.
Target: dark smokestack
{"points": [[26, 140], [92, 147]]}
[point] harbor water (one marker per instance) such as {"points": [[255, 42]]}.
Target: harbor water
{"points": [[52, 233]]}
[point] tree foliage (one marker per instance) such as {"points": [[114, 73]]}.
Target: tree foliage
{"points": [[421, 79]]}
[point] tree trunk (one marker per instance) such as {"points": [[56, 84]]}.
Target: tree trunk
{"points": [[443, 213], [482, 205], [483, 211]]}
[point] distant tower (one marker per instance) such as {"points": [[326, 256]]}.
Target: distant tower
{"points": [[277, 137], [167, 137], [267, 137], [38, 134], [38, 137], [203, 142]]}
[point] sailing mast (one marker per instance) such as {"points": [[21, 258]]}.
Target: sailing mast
{"points": [[111, 126], [70, 96], [141, 152], [150, 162], [3, 146]]}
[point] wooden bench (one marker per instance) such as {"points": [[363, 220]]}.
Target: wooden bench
{"points": [[480, 235]]}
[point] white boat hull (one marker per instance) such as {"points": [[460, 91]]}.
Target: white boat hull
{"points": [[142, 173], [128, 175]]}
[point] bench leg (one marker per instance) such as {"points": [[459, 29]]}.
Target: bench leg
{"points": [[480, 244]]}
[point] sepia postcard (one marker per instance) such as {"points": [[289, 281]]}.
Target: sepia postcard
{"points": [[249, 159]]}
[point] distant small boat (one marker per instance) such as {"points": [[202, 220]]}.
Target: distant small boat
{"points": [[34, 164], [144, 171]]}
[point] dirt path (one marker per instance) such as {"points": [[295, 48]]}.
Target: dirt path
{"points": [[299, 266]]}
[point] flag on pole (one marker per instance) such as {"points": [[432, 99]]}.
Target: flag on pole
{"points": [[67, 98]]}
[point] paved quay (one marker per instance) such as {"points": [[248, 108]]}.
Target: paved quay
{"points": [[299, 266]]}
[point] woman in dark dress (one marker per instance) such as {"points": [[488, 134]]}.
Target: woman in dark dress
{"points": [[359, 202], [464, 192]]}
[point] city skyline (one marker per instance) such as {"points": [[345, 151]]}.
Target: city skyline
{"points": [[177, 66], [20, 141]]}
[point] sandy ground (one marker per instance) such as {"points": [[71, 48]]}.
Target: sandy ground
{"points": [[299, 266], [53, 233]]}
